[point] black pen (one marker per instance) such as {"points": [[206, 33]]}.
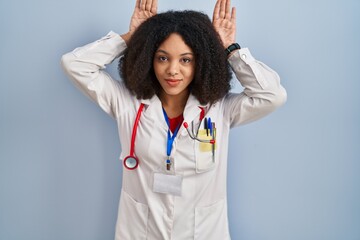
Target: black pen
{"points": [[206, 127]]}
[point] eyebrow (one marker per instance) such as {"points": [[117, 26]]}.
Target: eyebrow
{"points": [[163, 51]]}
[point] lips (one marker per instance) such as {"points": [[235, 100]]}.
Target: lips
{"points": [[173, 82]]}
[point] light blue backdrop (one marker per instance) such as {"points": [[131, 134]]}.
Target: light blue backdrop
{"points": [[294, 175]]}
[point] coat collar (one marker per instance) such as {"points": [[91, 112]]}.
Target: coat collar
{"points": [[192, 110], [153, 109]]}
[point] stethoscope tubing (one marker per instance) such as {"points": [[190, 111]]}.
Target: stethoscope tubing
{"points": [[193, 136], [127, 161]]}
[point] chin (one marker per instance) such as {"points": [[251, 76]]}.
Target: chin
{"points": [[172, 93]]}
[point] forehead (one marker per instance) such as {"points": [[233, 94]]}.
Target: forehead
{"points": [[175, 45]]}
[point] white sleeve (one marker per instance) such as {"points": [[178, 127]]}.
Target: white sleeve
{"points": [[262, 93], [85, 67]]}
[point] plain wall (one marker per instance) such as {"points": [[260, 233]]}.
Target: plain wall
{"points": [[294, 175]]}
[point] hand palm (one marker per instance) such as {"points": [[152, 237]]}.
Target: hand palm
{"points": [[224, 22], [144, 9], [139, 16], [226, 30]]}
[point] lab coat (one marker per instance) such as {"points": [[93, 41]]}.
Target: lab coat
{"points": [[201, 211]]}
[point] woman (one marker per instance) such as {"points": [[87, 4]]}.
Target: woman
{"points": [[174, 112]]}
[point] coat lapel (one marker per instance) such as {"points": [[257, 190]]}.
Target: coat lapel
{"points": [[153, 110], [193, 109]]}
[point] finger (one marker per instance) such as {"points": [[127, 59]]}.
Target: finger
{"points": [[143, 5], [222, 8], [216, 10], [227, 9], [154, 6], [233, 15], [148, 5], [137, 4]]}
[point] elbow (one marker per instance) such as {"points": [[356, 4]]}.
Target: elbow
{"points": [[71, 68], [279, 98], [65, 63]]}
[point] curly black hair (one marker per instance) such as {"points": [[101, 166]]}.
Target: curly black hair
{"points": [[212, 72]]}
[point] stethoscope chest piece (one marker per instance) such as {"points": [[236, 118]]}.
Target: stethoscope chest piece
{"points": [[131, 162]]}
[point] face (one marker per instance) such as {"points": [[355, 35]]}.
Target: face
{"points": [[174, 66]]}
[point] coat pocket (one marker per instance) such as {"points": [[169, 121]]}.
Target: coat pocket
{"points": [[132, 219], [204, 153], [211, 222]]}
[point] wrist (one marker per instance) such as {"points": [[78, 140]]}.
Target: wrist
{"points": [[126, 37], [232, 48]]}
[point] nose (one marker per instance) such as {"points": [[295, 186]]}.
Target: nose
{"points": [[173, 68]]}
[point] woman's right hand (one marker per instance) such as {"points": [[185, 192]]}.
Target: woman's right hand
{"points": [[144, 9]]}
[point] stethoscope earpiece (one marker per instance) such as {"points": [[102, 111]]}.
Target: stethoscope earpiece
{"points": [[193, 136]]}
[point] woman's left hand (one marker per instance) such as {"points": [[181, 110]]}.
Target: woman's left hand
{"points": [[144, 9], [224, 21]]}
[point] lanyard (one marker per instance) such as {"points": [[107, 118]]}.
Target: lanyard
{"points": [[170, 139]]}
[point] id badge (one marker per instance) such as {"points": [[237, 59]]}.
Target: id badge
{"points": [[167, 184]]}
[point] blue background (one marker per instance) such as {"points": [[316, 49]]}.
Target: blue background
{"points": [[292, 175]]}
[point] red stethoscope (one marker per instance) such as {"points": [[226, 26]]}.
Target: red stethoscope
{"points": [[131, 162]]}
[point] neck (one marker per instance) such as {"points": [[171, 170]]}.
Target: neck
{"points": [[174, 105]]}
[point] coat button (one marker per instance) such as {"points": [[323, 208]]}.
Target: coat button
{"points": [[243, 56]]}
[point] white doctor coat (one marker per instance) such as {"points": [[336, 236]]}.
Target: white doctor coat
{"points": [[201, 211]]}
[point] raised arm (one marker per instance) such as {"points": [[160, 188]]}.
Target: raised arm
{"points": [[85, 65], [263, 92]]}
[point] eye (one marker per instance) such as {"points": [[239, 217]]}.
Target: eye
{"points": [[162, 58], [186, 60]]}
